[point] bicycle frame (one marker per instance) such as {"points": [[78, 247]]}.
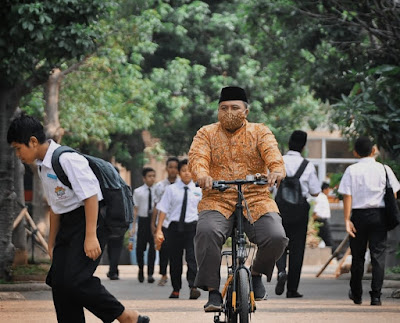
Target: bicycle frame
{"points": [[238, 252]]}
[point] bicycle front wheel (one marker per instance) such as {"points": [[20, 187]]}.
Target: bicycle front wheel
{"points": [[243, 291], [231, 315]]}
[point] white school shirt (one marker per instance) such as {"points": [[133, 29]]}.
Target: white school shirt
{"points": [[365, 181], [172, 200], [141, 200], [322, 208], [159, 190], [83, 181], [308, 180]]}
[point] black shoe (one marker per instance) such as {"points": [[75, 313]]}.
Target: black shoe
{"points": [[258, 287], [356, 300], [194, 293], [293, 294], [280, 285], [376, 298], [214, 303], [150, 279], [141, 276], [113, 276], [174, 294], [143, 319]]}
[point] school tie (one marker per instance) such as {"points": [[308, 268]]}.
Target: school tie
{"points": [[149, 208], [181, 224]]}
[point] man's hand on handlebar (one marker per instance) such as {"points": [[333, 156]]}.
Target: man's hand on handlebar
{"points": [[205, 182], [273, 177]]}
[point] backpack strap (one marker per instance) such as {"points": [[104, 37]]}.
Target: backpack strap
{"points": [[55, 163], [301, 169]]}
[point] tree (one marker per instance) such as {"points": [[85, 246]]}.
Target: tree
{"points": [[36, 37], [212, 43]]}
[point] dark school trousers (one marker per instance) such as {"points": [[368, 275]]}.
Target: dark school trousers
{"points": [[212, 231], [177, 243], [71, 273], [114, 248], [371, 231], [164, 256], [144, 237], [325, 231], [296, 231]]}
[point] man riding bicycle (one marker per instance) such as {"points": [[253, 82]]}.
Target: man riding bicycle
{"points": [[231, 149]]}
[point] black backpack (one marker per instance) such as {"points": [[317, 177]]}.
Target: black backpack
{"points": [[117, 203], [289, 197]]}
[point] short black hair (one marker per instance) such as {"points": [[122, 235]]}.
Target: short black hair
{"points": [[182, 163], [363, 146], [147, 170], [297, 140], [324, 186], [23, 127], [170, 159]]}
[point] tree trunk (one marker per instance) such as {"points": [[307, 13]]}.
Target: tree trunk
{"points": [[136, 149], [40, 210], [51, 120], [8, 198], [53, 130], [19, 234]]}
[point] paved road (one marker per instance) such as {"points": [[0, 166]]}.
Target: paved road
{"points": [[325, 301]]}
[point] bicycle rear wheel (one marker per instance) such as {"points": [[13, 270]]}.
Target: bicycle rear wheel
{"points": [[243, 300]]}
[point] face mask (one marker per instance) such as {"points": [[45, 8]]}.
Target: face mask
{"points": [[231, 121]]}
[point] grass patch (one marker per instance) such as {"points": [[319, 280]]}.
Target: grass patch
{"points": [[30, 269], [393, 270]]}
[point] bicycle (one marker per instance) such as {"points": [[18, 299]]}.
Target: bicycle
{"points": [[237, 294]]}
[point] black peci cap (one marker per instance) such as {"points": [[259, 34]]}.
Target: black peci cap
{"points": [[232, 93]]}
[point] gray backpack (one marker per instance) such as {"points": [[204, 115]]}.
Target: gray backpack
{"points": [[289, 197], [117, 203]]}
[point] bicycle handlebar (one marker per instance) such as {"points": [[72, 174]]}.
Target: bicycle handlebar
{"points": [[250, 179]]}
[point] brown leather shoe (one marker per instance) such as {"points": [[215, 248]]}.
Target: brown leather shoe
{"points": [[174, 294], [194, 293]]}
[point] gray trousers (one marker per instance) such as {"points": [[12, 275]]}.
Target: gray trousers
{"points": [[212, 231]]}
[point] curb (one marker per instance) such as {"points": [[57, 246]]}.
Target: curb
{"points": [[24, 287]]}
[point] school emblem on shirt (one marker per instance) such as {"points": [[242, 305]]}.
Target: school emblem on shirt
{"points": [[60, 191]]}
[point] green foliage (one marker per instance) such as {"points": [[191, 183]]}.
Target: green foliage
{"points": [[393, 270], [40, 35], [372, 108], [334, 183], [163, 63]]}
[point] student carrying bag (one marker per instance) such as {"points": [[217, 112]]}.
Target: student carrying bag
{"points": [[117, 203], [289, 197]]}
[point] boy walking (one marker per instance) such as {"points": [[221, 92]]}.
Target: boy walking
{"points": [[77, 234], [178, 207], [363, 188], [172, 171], [143, 198], [322, 214]]}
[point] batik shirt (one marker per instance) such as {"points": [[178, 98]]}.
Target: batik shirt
{"points": [[223, 155]]}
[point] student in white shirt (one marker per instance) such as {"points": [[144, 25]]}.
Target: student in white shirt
{"points": [[322, 214], [296, 229], [363, 188], [172, 171], [179, 207], [77, 233], [143, 199]]}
